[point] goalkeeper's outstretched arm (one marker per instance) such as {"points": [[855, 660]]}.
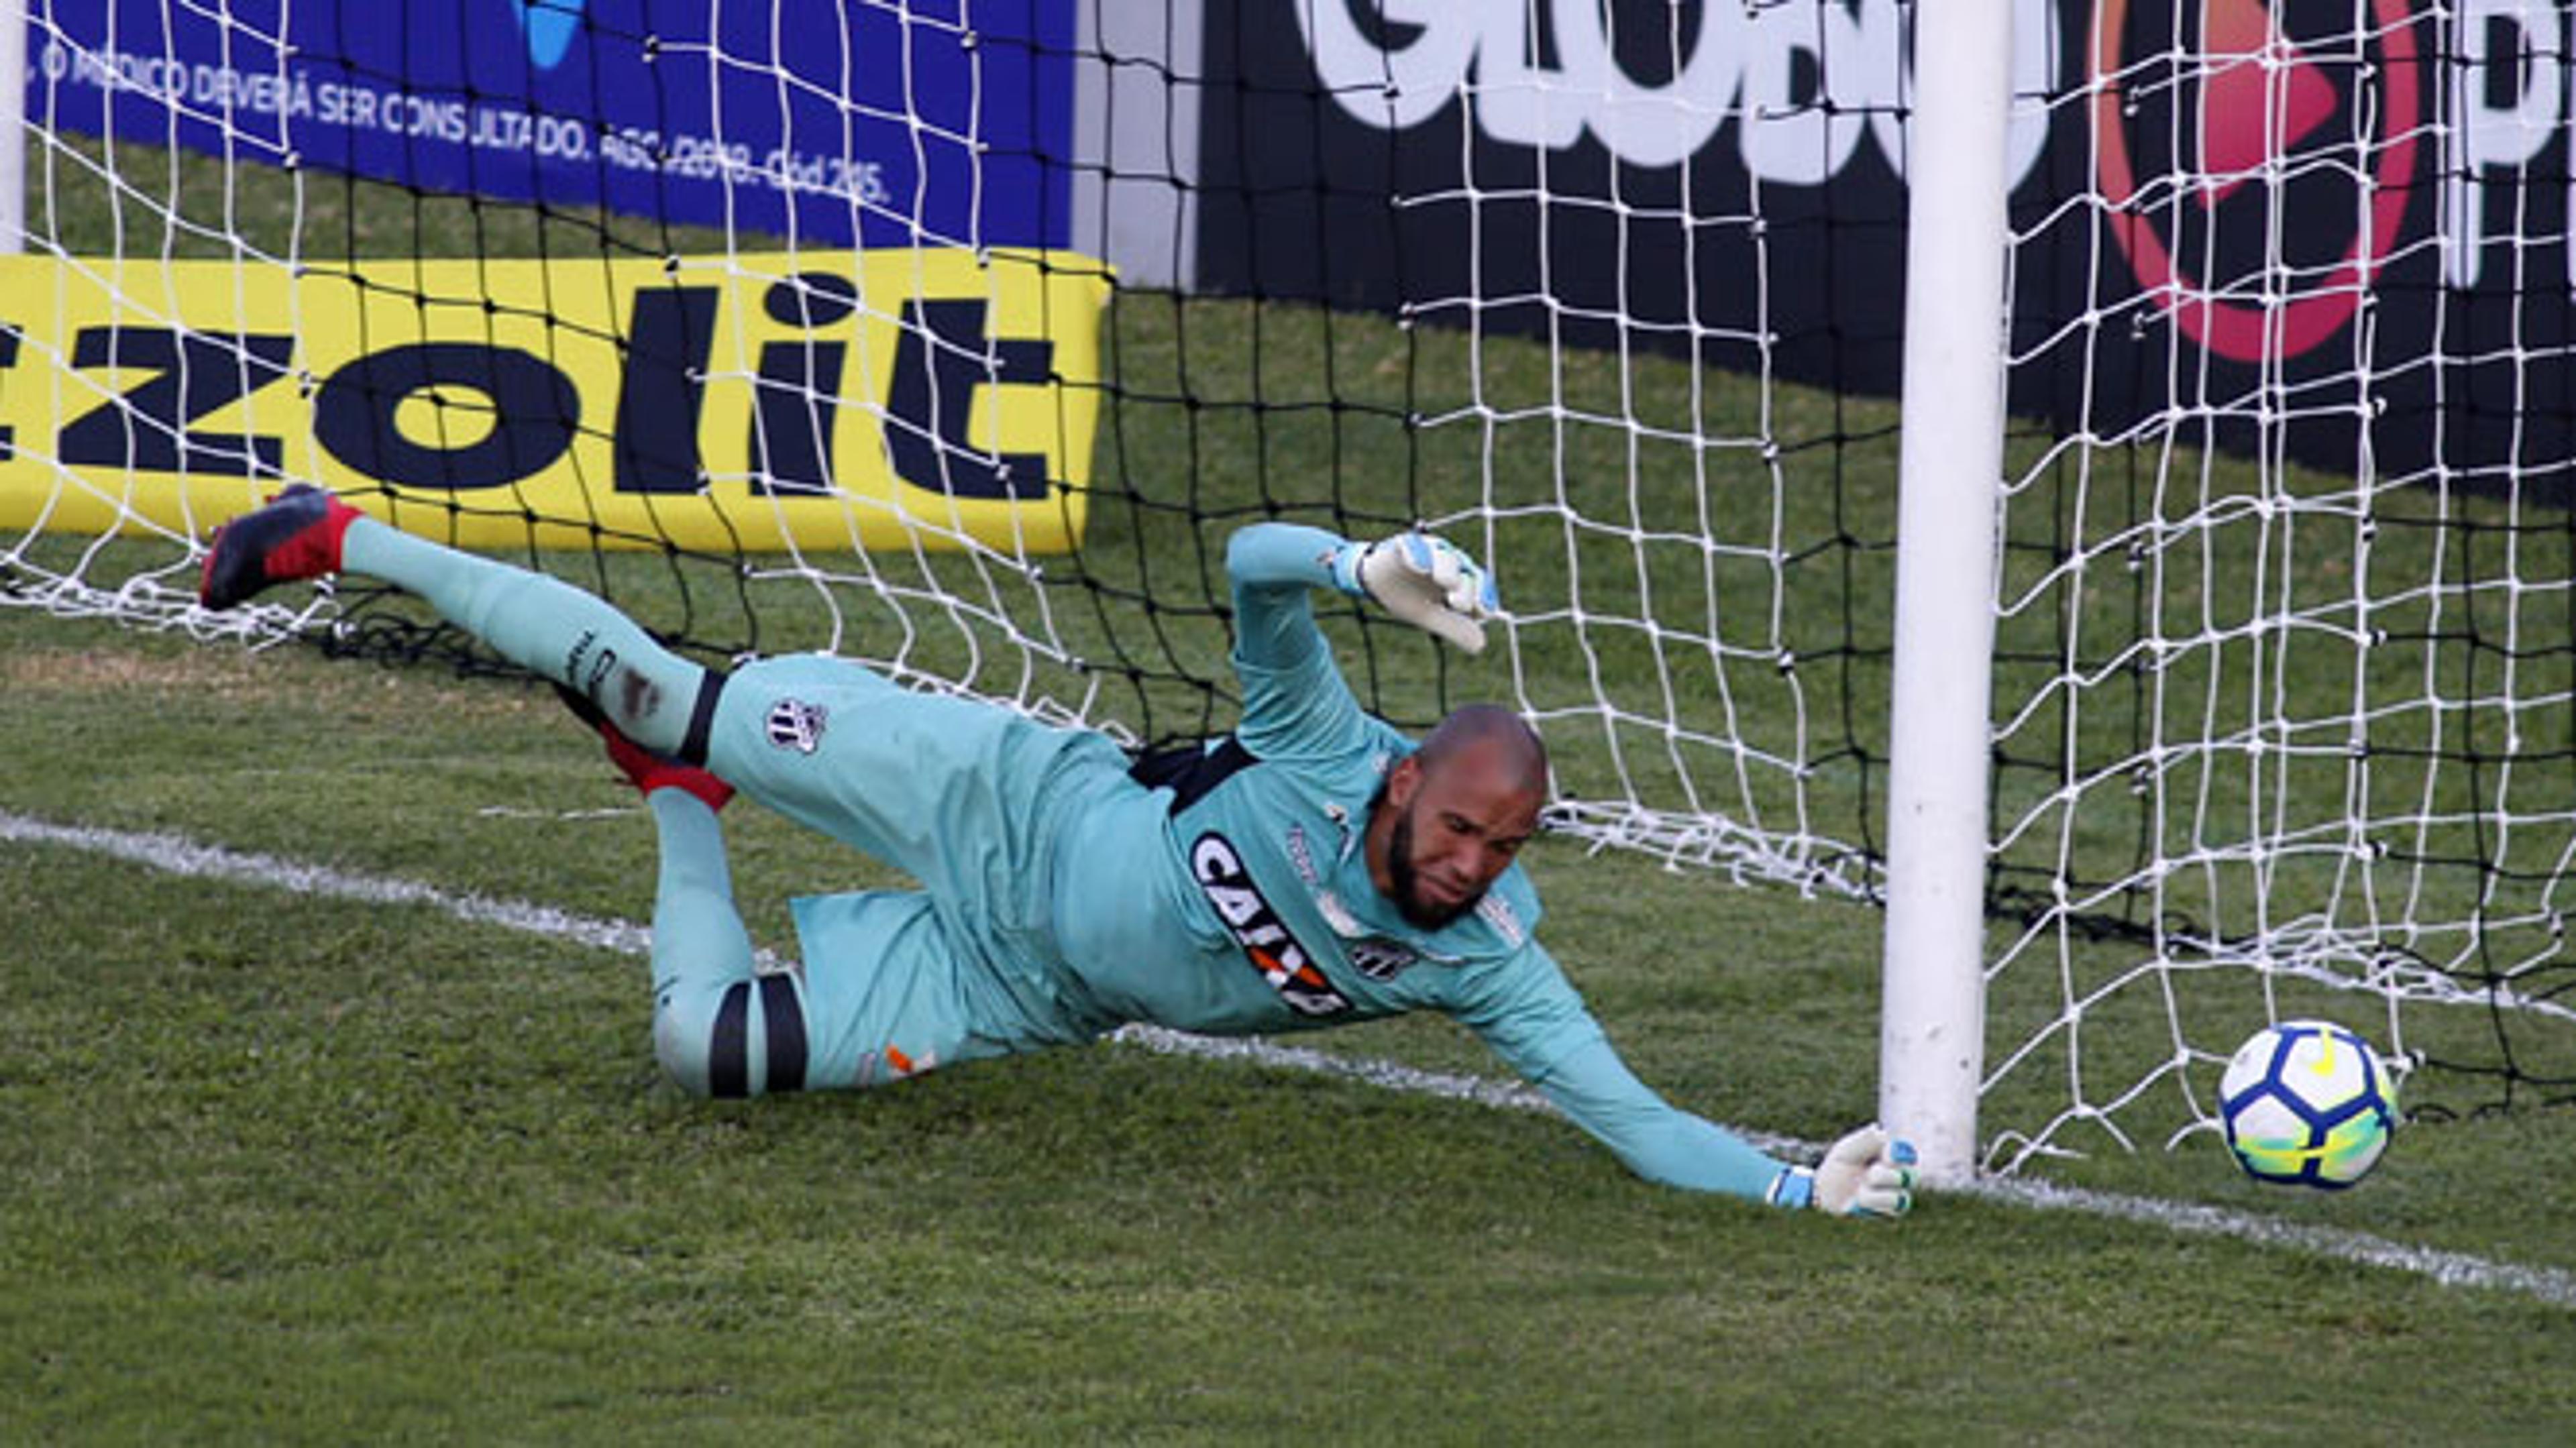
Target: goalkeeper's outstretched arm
{"points": [[1294, 700], [1864, 1174], [1426, 581]]}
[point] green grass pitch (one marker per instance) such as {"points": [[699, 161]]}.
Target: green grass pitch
{"points": [[288, 1168]]}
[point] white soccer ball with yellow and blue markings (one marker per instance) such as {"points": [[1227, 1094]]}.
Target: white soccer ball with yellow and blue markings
{"points": [[2307, 1103]]}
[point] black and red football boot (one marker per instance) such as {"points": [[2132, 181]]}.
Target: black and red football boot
{"points": [[296, 536]]}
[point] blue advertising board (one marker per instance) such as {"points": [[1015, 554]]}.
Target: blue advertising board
{"points": [[912, 123]]}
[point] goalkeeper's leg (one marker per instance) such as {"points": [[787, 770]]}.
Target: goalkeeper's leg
{"points": [[552, 629], [884, 992], [720, 1028], [549, 627]]}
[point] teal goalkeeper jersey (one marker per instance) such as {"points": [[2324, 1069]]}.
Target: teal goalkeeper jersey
{"points": [[1260, 915]]}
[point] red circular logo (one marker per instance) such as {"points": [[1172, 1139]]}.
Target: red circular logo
{"points": [[2258, 93]]}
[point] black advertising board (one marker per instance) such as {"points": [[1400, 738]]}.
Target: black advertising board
{"points": [[2296, 217]]}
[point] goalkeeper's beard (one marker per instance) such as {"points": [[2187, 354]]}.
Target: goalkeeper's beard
{"points": [[1408, 884]]}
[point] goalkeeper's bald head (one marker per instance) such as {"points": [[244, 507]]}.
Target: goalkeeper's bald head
{"points": [[1508, 747], [1454, 813]]}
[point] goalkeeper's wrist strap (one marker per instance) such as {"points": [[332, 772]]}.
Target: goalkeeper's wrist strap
{"points": [[1794, 1187], [1345, 565]]}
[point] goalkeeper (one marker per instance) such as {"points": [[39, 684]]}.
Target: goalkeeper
{"points": [[1312, 868]]}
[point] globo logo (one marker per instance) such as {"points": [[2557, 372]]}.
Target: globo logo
{"points": [[1803, 85]]}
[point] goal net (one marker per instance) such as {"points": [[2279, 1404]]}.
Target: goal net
{"points": [[2285, 697], [957, 338], [958, 341]]}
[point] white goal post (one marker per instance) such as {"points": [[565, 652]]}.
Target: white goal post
{"points": [[1950, 474]]}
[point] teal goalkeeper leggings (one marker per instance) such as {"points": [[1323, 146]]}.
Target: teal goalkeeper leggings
{"points": [[720, 1027]]}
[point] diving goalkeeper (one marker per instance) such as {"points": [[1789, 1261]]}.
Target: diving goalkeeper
{"points": [[1312, 868]]}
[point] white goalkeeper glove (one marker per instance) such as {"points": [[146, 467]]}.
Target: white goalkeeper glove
{"points": [[1863, 1175], [1428, 582]]}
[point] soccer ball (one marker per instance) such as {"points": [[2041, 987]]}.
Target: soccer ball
{"points": [[2308, 1103]]}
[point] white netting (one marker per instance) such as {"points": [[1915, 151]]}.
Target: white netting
{"points": [[2287, 699], [545, 279], [1572, 366]]}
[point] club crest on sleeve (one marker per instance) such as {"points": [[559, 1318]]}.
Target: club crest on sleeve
{"points": [[795, 724], [1379, 958]]}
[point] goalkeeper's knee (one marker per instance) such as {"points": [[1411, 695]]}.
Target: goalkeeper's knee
{"points": [[730, 1039]]}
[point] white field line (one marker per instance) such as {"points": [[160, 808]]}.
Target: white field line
{"points": [[176, 855]]}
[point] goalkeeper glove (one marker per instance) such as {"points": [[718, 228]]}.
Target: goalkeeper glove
{"points": [[1863, 1175], [1428, 582]]}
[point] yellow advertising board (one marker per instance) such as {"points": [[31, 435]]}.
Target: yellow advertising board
{"points": [[848, 399]]}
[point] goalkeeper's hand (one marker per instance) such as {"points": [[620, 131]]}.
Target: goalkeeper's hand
{"points": [[1428, 582], [1863, 1175]]}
